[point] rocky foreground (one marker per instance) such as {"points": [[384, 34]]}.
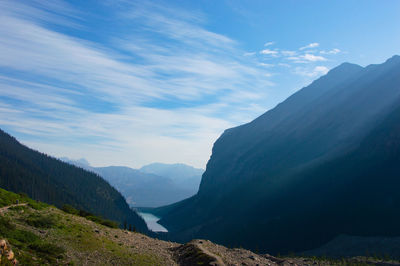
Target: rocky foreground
{"points": [[45, 235]]}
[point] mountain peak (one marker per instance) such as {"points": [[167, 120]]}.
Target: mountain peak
{"points": [[83, 161], [345, 67], [394, 59]]}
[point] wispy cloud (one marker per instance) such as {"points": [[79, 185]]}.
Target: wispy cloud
{"points": [[312, 58], [313, 72], [333, 51], [309, 46], [268, 52], [306, 58], [249, 53], [266, 65], [288, 53], [269, 44], [283, 65]]}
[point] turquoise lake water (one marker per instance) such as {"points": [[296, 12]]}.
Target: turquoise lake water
{"points": [[151, 221]]}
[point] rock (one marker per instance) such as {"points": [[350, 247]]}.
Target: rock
{"points": [[3, 244], [10, 255]]}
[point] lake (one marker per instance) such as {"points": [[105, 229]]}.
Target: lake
{"points": [[151, 221]]}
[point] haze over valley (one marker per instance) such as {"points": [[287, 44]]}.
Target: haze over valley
{"points": [[153, 185]]}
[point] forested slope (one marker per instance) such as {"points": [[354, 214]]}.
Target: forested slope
{"points": [[50, 180]]}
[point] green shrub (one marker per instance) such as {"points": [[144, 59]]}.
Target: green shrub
{"points": [[7, 198], [23, 236], [109, 223], [102, 221], [84, 213], [37, 205], [17, 208], [41, 221], [47, 251], [47, 248], [69, 209], [16, 237], [5, 225]]}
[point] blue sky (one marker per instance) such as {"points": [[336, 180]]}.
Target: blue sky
{"points": [[134, 82]]}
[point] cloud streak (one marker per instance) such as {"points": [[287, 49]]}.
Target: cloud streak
{"points": [[333, 51], [268, 52], [309, 46], [269, 44]]}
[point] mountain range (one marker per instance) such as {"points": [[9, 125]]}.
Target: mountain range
{"points": [[324, 162], [152, 185]]}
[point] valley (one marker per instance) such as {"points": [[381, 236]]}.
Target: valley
{"points": [[153, 185]]}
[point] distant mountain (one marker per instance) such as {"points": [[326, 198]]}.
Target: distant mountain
{"points": [[183, 175], [82, 163], [324, 162], [153, 185], [50, 180]]}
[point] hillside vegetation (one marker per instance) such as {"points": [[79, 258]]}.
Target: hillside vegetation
{"points": [[49, 180]]}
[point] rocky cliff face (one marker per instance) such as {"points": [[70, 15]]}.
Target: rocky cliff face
{"points": [[270, 176], [332, 113]]}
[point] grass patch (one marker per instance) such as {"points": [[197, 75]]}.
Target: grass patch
{"points": [[26, 244], [68, 236], [21, 238], [47, 248], [102, 221], [15, 236], [41, 220], [5, 225], [81, 237], [8, 198], [69, 209]]}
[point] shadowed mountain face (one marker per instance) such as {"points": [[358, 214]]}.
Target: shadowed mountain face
{"points": [[153, 185], [50, 180], [322, 163]]}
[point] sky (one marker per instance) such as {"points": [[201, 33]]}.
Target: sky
{"points": [[135, 82]]}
